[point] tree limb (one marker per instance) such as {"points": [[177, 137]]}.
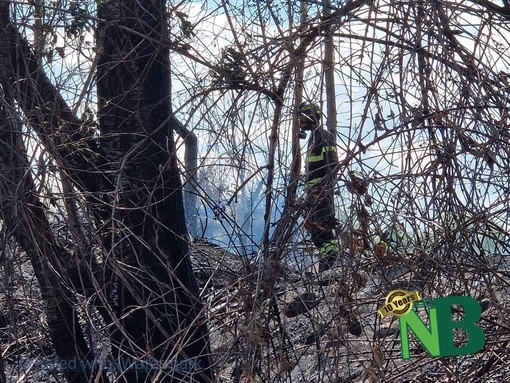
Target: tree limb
{"points": [[65, 136]]}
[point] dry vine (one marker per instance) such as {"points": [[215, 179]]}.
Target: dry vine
{"points": [[93, 223]]}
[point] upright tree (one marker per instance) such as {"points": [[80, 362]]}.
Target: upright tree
{"points": [[155, 295], [138, 274]]}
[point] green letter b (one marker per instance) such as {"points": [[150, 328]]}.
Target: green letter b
{"points": [[472, 313]]}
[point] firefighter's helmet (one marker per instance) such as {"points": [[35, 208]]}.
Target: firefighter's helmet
{"points": [[308, 112], [308, 116]]}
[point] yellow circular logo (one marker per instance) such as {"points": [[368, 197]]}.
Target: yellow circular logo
{"points": [[399, 302]]}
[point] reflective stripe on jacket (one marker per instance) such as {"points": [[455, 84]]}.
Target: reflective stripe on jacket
{"points": [[329, 247]]}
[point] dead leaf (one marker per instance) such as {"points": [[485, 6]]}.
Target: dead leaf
{"points": [[285, 365], [372, 376], [60, 51], [491, 158], [378, 357], [380, 250]]}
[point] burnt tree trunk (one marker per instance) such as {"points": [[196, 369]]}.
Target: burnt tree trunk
{"points": [[153, 288], [24, 218], [130, 180]]}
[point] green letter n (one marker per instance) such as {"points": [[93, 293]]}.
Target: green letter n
{"points": [[428, 338]]}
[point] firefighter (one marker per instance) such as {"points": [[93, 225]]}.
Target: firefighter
{"points": [[320, 178]]}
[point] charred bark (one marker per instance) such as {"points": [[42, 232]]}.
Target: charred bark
{"points": [[154, 291]]}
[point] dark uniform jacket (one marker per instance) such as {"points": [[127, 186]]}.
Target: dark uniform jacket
{"points": [[321, 159], [321, 162]]}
